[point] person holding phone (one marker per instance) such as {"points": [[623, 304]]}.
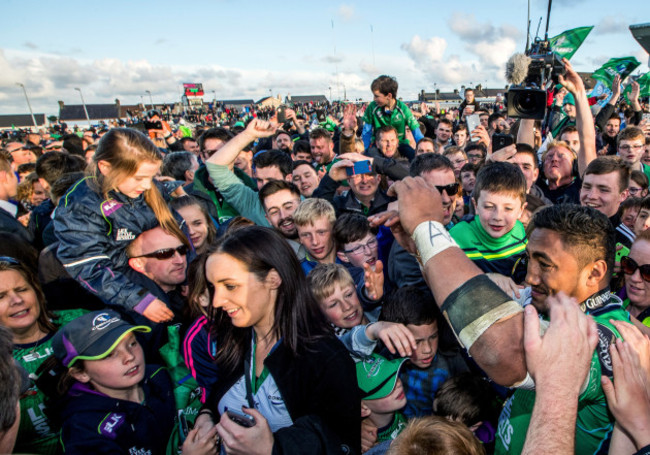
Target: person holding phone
{"points": [[282, 371]]}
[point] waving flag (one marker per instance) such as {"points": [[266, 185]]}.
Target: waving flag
{"points": [[567, 43]]}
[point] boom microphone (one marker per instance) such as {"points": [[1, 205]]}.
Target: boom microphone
{"points": [[517, 68]]}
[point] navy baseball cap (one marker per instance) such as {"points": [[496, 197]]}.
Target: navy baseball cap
{"points": [[92, 336]]}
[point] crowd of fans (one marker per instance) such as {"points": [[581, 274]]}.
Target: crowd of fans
{"points": [[334, 278]]}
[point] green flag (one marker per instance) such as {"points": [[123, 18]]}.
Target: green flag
{"points": [[644, 87], [567, 43], [622, 66]]}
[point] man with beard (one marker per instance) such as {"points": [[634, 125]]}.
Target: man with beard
{"points": [[269, 165], [280, 199], [571, 253], [282, 141]]}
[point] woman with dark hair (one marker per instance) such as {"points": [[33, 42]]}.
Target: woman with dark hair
{"points": [[23, 311], [277, 360]]}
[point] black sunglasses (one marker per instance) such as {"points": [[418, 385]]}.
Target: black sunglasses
{"points": [[166, 253], [629, 266], [451, 189]]}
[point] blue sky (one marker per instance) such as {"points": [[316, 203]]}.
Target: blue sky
{"points": [[243, 49]]}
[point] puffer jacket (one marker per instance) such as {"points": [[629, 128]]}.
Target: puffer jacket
{"points": [[96, 423], [94, 233]]}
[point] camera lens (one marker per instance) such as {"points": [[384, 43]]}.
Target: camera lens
{"points": [[526, 102]]}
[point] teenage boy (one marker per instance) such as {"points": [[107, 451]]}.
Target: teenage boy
{"points": [[428, 367], [495, 239], [8, 190], [386, 109], [334, 290], [314, 220], [631, 145], [604, 187], [382, 395]]}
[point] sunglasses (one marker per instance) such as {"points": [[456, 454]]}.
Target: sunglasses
{"points": [[629, 266], [166, 253], [451, 189]]}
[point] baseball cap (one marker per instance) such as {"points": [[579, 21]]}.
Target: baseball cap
{"points": [[377, 376], [92, 336]]}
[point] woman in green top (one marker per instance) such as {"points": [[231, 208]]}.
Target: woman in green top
{"points": [[636, 267], [23, 311]]}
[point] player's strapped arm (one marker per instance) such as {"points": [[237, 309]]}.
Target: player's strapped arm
{"points": [[484, 318]]}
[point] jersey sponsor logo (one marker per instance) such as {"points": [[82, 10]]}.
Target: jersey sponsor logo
{"points": [[505, 430], [32, 356], [135, 451], [110, 425], [39, 421], [103, 320], [110, 206], [124, 234], [605, 339]]}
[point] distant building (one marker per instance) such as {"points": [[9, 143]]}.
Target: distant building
{"points": [[270, 101], [10, 121], [304, 99], [236, 104]]}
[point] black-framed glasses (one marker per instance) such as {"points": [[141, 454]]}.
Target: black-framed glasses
{"points": [[451, 189], [629, 266], [359, 249], [166, 253]]}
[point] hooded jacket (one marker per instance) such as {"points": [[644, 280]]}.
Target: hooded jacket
{"points": [[96, 423], [94, 233]]}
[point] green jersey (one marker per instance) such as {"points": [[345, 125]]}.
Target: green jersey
{"points": [[35, 433], [391, 431], [399, 118], [594, 423]]}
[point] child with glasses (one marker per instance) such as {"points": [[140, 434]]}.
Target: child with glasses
{"points": [[102, 213], [495, 239], [636, 268]]}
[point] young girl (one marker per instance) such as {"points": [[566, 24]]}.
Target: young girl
{"points": [[276, 360], [23, 312], [201, 227], [199, 345], [102, 213], [115, 403]]}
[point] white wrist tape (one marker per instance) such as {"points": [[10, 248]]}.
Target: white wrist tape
{"points": [[431, 238]]}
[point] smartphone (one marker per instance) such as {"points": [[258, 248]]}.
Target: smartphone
{"points": [[473, 121], [153, 125], [240, 418], [624, 251], [500, 140], [360, 167], [183, 429], [281, 114]]}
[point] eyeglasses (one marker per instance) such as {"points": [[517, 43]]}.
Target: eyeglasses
{"points": [[166, 253], [629, 266], [359, 249], [627, 148], [451, 189]]}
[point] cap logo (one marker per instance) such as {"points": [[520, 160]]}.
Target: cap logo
{"points": [[372, 366], [103, 320]]}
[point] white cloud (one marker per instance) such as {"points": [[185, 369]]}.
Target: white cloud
{"points": [[49, 78], [426, 51], [346, 12], [611, 25]]}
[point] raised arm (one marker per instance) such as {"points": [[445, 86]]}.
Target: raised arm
{"points": [[228, 153], [485, 319], [584, 120]]}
